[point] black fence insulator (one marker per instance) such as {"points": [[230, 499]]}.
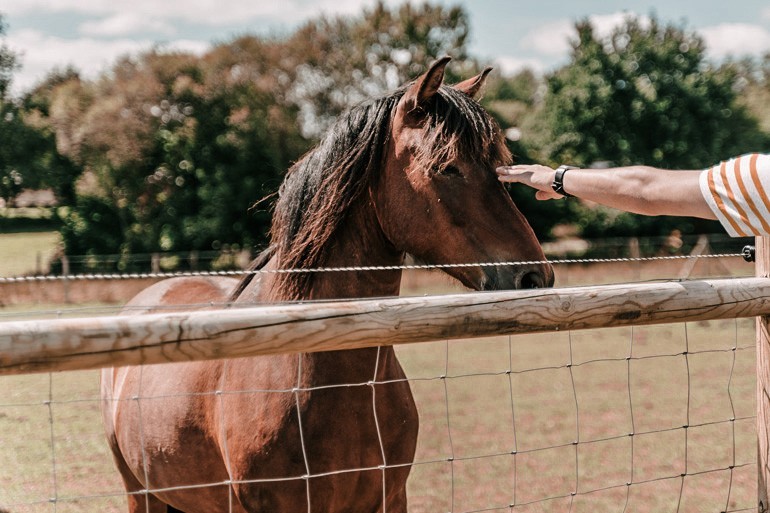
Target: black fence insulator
{"points": [[748, 253]]}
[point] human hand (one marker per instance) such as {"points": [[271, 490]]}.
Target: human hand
{"points": [[536, 176]]}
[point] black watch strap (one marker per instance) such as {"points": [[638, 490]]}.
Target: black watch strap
{"points": [[558, 180]]}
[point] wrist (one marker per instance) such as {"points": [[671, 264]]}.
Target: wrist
{"points": [[558, 180]]}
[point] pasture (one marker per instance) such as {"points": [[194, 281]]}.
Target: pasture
{"points": [[479, 401], [25, 253]]}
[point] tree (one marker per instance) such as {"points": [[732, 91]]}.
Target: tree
{"points": [[338, 62], [10, 177], [175, 148], [8, 64], [56, 171], [21, 162], [646, 95], [754, 88]]}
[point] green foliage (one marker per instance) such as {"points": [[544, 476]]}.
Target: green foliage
{"points": [[8, 64], [174, 149], [168, 152], [173, 156], [644, 96], [13, 131], [753, 85], [337, 62], [93, 226], [28, 153]]}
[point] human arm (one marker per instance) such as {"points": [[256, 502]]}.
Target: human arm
{"points": [[638, 189]]}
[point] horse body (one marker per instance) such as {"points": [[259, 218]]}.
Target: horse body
{"points": [[329, 432]]}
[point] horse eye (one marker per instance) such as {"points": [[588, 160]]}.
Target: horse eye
{"points": [[449, 170]]}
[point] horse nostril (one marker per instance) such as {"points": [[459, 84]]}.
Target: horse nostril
{"points": [[531, 280]]}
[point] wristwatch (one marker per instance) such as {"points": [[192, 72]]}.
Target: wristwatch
{"points": [[558, 180]]}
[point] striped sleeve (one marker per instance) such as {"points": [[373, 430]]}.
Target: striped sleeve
{"points": [[738, 192]]}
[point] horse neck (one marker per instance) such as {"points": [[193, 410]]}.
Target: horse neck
{"points": [[360, 242]]}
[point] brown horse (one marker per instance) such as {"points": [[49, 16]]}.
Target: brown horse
{"points": [[331, 432]]}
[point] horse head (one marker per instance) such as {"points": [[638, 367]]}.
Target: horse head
{"points": [[437, 196]]}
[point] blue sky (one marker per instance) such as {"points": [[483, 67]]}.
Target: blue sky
{"points": [[90, 34]]}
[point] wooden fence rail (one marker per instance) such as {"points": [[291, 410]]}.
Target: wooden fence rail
{"points": [[69, 344]]}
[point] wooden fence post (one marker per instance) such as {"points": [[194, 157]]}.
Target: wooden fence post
{"points": [[65, 271], [763, 384]]}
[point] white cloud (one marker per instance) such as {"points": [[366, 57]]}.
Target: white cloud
{"points": [[124, 24], [604, 24], [510, 65], [110, 24], [207, 12], [550, 39], [766, 13], [42, 53], [735, 39], [553, 39]]}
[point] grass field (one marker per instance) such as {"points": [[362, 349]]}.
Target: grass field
{"points": [[26, 253], [533, 395]]}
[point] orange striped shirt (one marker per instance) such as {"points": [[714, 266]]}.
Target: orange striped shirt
{"points": [[738, 192]]}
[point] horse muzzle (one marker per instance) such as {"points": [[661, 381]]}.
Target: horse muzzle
{"points": [[518, 277]]}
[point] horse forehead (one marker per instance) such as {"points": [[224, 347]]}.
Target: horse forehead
{"points": [[408, 138]]}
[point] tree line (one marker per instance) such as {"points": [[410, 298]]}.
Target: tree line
{"points": [[169, 151]]}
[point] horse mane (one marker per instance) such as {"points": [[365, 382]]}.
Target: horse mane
{"points": [[320, 189]]}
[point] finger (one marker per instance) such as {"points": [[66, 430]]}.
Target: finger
{"points": [[509, 178], [509, 170], [513, 174]]}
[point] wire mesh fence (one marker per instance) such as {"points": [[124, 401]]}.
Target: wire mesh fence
{"points": [[654, 418], [657, 418]]}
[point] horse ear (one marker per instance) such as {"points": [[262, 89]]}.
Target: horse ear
{"points": [[472, 86], [428, 84]]}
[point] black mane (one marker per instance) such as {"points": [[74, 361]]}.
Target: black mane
{"points": [[320, 188]]}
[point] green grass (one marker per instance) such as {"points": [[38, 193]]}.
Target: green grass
{"points": [[26, 253], [499, 394]]}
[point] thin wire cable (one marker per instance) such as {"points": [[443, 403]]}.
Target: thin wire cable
{"points": [[631, 412], [145, 462], [577, 419], [301, 433], [686, 427], [732, 417], [377, 426], [449, 427], [513, 420], [49, 404], [223, 434], [402, 267]]}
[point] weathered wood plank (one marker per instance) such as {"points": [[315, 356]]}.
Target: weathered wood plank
{"points": [[68, 344], [763, 384]]}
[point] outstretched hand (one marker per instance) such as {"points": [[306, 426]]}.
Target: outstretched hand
{"points": [[536, 176]]}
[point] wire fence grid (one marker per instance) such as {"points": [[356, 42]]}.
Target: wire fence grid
{"points": [[658, 418], [638, 419]]}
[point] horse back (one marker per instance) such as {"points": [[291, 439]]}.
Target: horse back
{"points": [[184, 293]]}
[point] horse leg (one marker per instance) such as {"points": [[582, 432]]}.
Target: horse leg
{"points": [[138, 502], [396, 503]]}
